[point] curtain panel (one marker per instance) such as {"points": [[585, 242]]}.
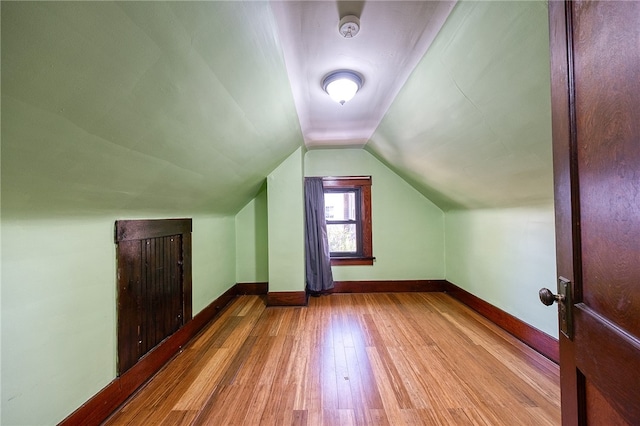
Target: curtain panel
{"points": [[319, 277]]}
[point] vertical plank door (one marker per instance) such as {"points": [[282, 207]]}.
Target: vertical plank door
{"points": [[154, 284]]}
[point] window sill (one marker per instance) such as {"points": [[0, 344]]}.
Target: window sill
{"points": [[347, 261]]}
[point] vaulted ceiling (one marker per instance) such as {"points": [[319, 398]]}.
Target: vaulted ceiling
{"points": [[187, 106]]}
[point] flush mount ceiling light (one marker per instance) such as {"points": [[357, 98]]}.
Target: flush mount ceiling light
{"points": [[342, 85]]}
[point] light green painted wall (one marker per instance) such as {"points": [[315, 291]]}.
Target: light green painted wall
{"points": [[471, 128], [504, 256], [252, 241], [214, 258], [408, 229], [154, 106], [58, 316], [59, 307], [286, 225]]}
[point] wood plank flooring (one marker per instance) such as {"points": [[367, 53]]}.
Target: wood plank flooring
{"points": [[361, 359]]}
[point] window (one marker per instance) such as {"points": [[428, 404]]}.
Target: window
{"points": [[348, 214]]}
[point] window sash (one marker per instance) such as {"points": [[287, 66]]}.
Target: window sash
{"points": [[357, 221], [362, 184]]}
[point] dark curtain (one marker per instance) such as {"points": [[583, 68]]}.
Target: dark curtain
{"points": [[318, 261]]}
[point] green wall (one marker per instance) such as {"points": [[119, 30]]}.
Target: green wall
{"points": [[504, 256], [471, 127], [58, 316], [408, 229], [214, 258], [142, 106], [59, 307], [252, 241], [286, 225]]}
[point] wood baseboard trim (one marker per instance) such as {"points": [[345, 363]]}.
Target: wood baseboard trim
{"points": [[538, 340], [287, 298], [400, 286], [259, 288], [105, 402]]}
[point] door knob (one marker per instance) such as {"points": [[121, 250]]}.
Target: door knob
{"points": [[547, 297]]}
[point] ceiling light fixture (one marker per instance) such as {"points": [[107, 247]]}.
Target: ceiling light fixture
{"points": [[342, 85]]}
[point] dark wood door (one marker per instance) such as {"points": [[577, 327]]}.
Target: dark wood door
{"points": [[154, 284], [595, 75]]}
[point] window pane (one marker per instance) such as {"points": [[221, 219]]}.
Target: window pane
{"points": [[342, 238], [340, 205]]}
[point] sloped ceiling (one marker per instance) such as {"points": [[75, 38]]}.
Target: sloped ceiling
{"points": [[187, 106], [471, 128], [393, 38], [141, 106]]}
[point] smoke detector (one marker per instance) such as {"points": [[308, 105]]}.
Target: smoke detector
{"points": [[349, 26]]}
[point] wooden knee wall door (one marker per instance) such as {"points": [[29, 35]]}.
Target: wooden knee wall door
{"points": [[154, 284]]}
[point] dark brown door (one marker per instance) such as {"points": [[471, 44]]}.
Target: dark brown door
{"points": [[154, 284], [595, 75]]}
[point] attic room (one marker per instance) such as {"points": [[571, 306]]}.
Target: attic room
{"points": [[215, 112]]}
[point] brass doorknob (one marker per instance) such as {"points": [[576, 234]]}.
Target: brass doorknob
{"points": [[547, 297]]}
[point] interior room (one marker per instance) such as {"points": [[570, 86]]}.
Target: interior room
{"points": [[216, 112]]}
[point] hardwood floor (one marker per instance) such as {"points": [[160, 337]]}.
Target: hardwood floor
{"points": [[383, 359]]}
